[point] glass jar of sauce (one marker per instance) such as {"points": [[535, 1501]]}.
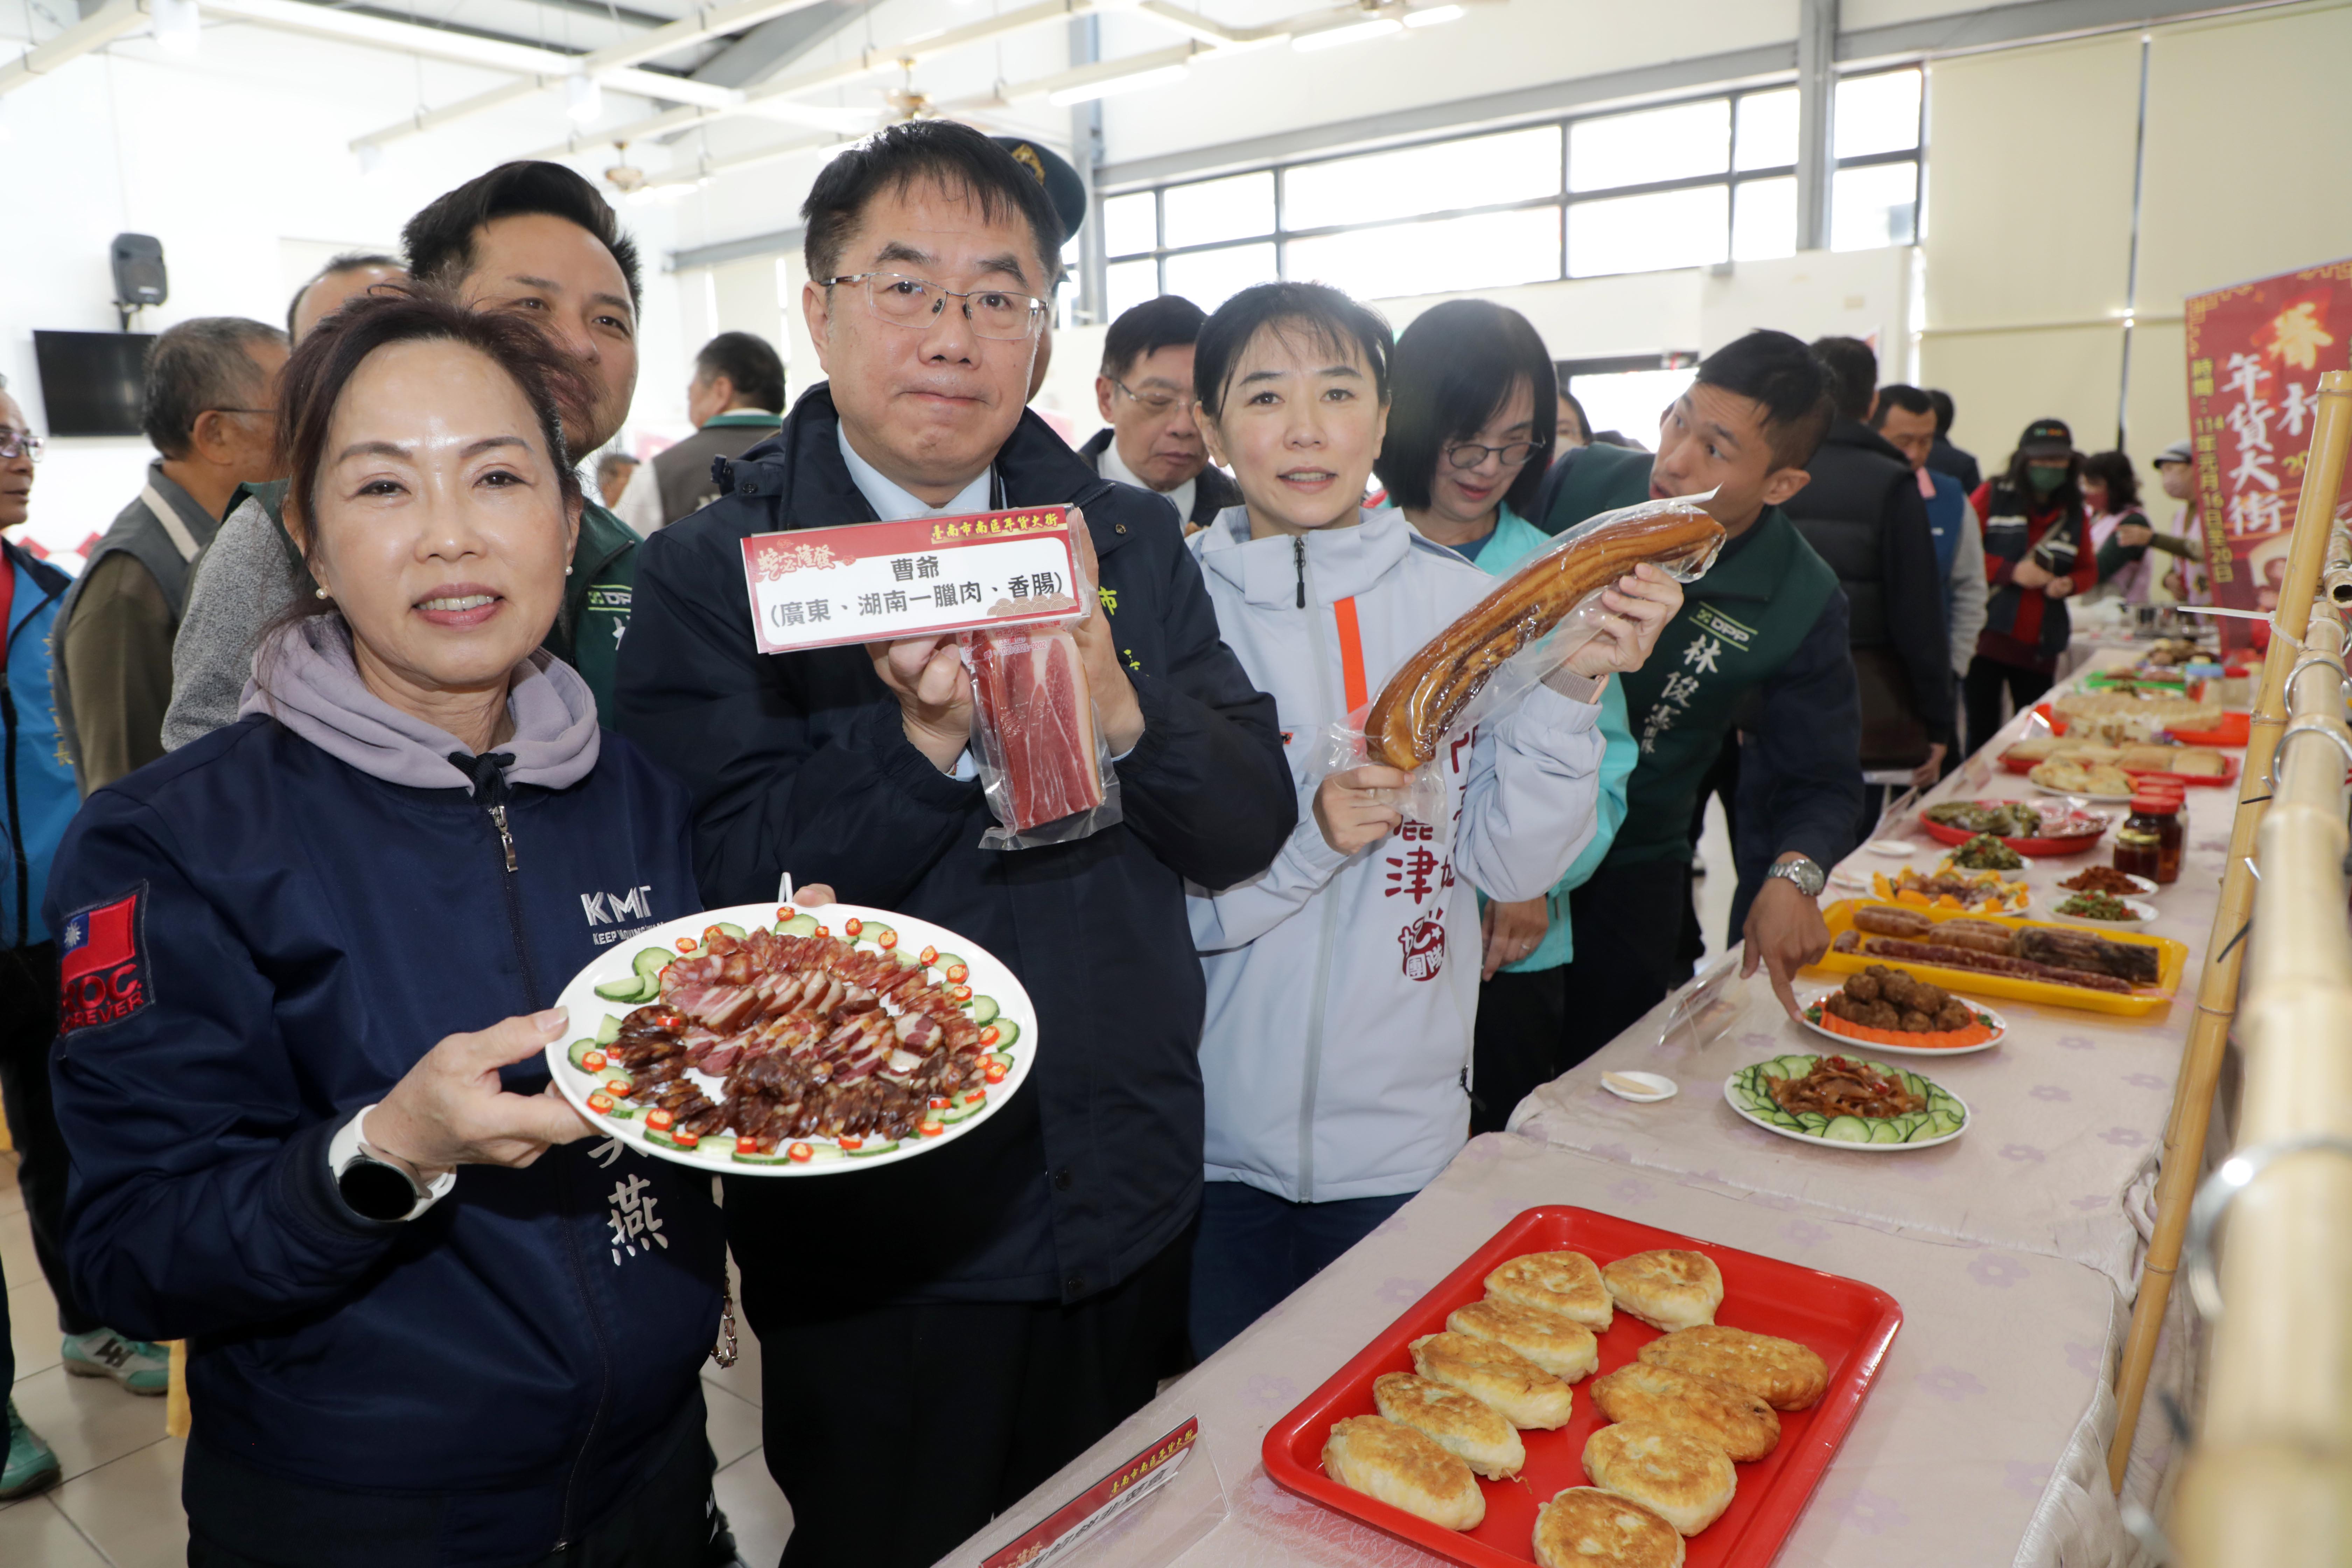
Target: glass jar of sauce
{"points": [[2148, 842]]}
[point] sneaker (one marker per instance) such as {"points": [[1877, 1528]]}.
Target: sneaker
{"points": [[139, 1365], [31, 1464]]}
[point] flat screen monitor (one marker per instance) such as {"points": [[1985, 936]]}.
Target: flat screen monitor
{"points": [[90, 382]]}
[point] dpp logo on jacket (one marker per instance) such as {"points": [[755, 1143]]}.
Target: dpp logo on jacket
{"points": [[101, 975]]}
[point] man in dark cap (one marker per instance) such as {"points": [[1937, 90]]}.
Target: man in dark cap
{"points": [[1067, 191]]}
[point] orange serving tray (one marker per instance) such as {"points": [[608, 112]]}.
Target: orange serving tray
{"points": [[1849, 1323], [2171, 963]]}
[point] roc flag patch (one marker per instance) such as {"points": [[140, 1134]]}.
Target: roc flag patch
{"points": [[102, 973]]}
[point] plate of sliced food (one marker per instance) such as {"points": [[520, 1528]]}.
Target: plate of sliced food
{"points": [[789, 1041], [1846, 1102], [1887, 1009], [2075, 778], [1955, 889], [2027, 826], [2107, 880]]}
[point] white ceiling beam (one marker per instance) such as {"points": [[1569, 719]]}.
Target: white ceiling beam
{"points": [[611, 66], [865, 63], [93, 32]]}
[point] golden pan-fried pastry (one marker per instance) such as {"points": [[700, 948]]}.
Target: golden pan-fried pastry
{"points": [[1524, 1394], [1404, 1469], [1562, 1346], [1669, 1289], [2039, 749], [1735, 1420], [1781, 1373], [2073, 777], [1472, 1431], [1585, 1527], [2201, 761], [1564, 1282], [1688, 1481]]}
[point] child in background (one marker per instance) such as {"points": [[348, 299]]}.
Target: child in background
{"points": [[1343, 981]]}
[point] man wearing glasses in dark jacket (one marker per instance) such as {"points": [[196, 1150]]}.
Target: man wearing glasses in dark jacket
{"points": [[938, 1336]]}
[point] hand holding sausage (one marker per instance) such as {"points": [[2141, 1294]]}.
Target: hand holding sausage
{"points": [[1638, 608], [1349, 810]]}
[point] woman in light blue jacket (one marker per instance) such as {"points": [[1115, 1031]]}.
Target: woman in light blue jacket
{"points": [[1471, 423], [1342, 981]]}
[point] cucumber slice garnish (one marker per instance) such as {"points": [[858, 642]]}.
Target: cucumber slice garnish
{"points": [[651, 961], [876, 934], [608, 1031], [948, 960], [1007, 1032], [729, 928], [580, 1049], [631, 989], [1883, 1131], [799, 925], [1847, 1129], [984, 1009], [906, 960], [871, 1149], [1813, 1122]]}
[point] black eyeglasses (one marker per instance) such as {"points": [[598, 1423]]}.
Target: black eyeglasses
{"points": [[916, 302], [1470, 454], [19, 444], [1158, 402]]}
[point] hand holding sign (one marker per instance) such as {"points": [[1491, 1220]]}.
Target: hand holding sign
{"points": [[934, 692]]}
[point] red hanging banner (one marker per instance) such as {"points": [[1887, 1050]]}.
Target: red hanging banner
{"points": [[2256, 352]]}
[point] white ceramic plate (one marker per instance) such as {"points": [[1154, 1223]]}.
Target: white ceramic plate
{"points": [[2000, 1033], [2142, 913], [2080, 794], [988, 977], [1893, 848], [1739, 1098], [1640, 1087], [2141, 888]]}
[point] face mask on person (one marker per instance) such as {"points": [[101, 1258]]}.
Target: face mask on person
{"points": [[2045, 481]]}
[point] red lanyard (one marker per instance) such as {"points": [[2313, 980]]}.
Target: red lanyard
{"points": [[1351, 653]]}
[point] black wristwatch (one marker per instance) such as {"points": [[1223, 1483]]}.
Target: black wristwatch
{"points": [[375, 1190]]}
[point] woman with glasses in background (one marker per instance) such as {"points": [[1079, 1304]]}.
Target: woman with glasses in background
{"points": [[1472, 425]]}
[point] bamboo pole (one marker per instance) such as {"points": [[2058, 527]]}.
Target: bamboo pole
{"points": [[2270, 1484], [2217, 988]]}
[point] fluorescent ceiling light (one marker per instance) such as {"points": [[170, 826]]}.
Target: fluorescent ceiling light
{"points": [[178, 26], [1431, 15], [1347, 33], [583, 98], [1087, 92]]}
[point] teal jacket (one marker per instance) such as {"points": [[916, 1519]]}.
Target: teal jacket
{"points": [[1514, 540]]}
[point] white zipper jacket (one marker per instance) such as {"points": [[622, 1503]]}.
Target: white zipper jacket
{"points": [[1335, 1052]]}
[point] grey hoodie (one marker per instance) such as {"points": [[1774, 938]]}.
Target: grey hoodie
{"points": [[314, 689]]}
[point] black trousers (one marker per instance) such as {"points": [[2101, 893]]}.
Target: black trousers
{"points": [[896, 1431], [1629, 922], [29, 1024], [1980, 693], [1516, 1042]]}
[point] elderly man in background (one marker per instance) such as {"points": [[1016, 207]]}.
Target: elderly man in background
{"points": [[1905, 416], [353, 272], [209, 406], [531, 237], [1039, 1264], [614, 472], [1145, 389], [736, 401]]}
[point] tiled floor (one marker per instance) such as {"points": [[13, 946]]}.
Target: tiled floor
{"points": [[118, 1505]]}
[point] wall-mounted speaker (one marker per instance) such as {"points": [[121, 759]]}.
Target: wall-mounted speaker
{"points": [[139, 277]]}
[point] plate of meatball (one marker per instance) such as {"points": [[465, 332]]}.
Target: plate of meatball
{"points": [[1891, 1011]]}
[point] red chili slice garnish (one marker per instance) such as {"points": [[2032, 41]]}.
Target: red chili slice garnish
{"points": [[591, 1061], [783, 914], [993, 1073], [824, 931], [687, 944], [988, 1036], [889, 941], [931, 1129], [747, 1145], [687, 1140], [929, 955], [708, 932], [941, 1102], [659, 1119], [801, 1153], [961, 993], [846, 1141], [853, 925], [619, 1088], [600, 1103], [958, 974]]}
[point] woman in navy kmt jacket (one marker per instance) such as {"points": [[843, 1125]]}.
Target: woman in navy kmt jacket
{"points": [[308, 967]]}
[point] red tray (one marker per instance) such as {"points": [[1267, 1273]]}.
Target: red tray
{"points": [[2229, 774], [1851, 1325], [2233, 730], [2073, 845]]}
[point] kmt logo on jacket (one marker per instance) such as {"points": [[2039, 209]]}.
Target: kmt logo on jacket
{"points": [[615, 908], [101, 975]]}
